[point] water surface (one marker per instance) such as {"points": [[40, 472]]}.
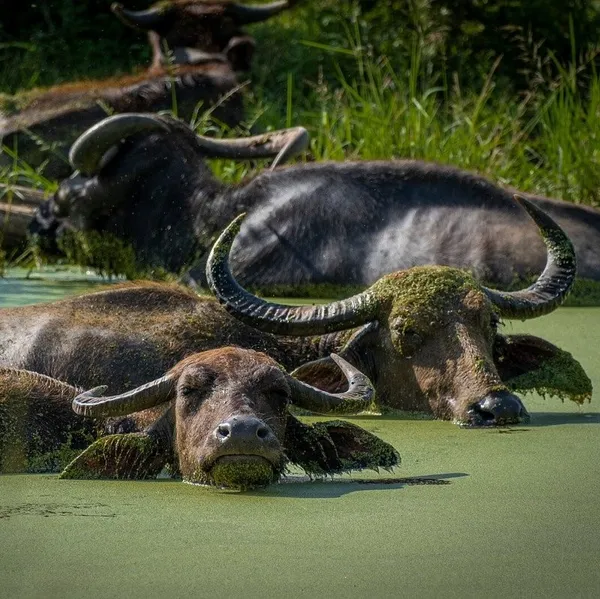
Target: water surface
{"points": [[518, 517]]}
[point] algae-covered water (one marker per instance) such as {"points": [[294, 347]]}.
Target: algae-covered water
{"points": [[519, 515]]}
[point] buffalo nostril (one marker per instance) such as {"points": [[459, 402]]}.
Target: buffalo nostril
{"points": [[262, 432], [223, 430]]}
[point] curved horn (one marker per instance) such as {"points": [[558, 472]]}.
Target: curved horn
{"points": [[282, 144], [90, 147], [91, 403], [553, 285], [357, 398], [142, 19], [253, 14], [278, 318]]}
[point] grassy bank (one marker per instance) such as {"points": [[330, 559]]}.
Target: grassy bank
{"points": [[326, 74]]}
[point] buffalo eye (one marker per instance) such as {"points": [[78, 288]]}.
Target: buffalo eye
{"points": [[278, 397], [405, 337], [410, 341]]}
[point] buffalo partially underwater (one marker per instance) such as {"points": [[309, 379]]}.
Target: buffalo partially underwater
{"points": [[219, 417], [427, 337], [144, 180]]}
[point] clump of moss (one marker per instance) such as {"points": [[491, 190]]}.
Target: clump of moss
{"points": [[425, 290], [104, 253], [124, 456], [560, 376], [237, 473]]}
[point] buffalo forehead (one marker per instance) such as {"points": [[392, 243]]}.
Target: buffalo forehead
{"points": [[428, 294]]}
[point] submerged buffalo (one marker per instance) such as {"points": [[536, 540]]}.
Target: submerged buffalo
{"points": [[211, 26], [144, 180], [219, 417], [428, 336], [429, 339]]}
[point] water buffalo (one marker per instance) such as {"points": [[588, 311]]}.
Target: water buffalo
{"points": [[210, 26], [40, 126], [218, 417], [429, 338], [143, 179]]}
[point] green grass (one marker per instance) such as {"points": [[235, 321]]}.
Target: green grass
{"points": [[319, 70]]}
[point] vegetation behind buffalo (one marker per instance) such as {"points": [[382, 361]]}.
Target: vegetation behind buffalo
{"points": [[321, 69], [63, 36]]}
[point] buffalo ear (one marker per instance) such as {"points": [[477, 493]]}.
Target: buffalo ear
{"points": [[528, 363], [128, 456], [323, 374], [335, 446], [326, 375]]}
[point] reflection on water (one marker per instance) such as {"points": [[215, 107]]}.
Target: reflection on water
{"points": [[20, 287]]}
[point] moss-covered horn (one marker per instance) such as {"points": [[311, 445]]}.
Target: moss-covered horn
{"points": [[278, 318], [553, 285], [91, 403], [90, 147], [253, 14], [142, 19], [282, 144], [358, 397]]}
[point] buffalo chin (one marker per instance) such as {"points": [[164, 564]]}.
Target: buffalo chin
{"points": [[238, 472]]}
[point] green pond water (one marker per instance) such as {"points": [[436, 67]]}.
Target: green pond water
{"points": [[518, 517]]}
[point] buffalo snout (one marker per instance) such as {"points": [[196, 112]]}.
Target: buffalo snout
{"points": [[497, 408], [244, 430]]}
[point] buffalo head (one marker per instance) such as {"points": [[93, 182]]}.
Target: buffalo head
{"points": [[188, 25], [225, 413], [143, 179], [429, 339]]}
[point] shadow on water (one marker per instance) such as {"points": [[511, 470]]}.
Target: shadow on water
{"points": [[303, 488], [556, 418]]}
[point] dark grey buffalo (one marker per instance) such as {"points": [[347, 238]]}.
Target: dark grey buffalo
{"points": [[186, 26], [40, 126], [144, 180], [218, 417], [428, 336]]}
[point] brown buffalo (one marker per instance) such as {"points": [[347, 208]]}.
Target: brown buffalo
{"points": [[218, 417], [39, 431], [429, 339]]}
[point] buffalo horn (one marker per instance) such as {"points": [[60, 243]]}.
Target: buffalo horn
{"points": [[278, 318], [92, 403], [90, 147], [357, 398], [282, 144], [555, 282], [141, 19], [253, 14]]}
